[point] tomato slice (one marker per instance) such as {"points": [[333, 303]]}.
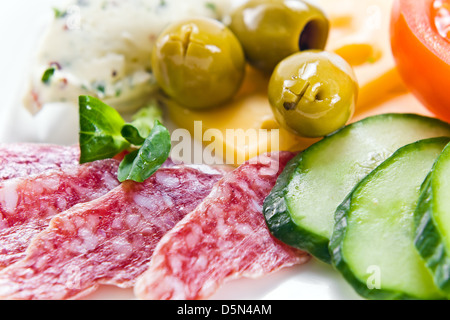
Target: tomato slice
{"points": [[421, 48]]}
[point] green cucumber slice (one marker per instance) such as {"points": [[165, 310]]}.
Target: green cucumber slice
{"points": [[432, 217], [300, 209], [373, 239]]}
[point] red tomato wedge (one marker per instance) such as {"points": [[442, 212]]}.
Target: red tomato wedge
{"points": [[421, 47]]}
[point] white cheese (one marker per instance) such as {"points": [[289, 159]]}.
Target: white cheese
{"points": [[102, 48]]}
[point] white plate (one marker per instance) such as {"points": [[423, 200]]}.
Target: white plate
{"points": [[22, 23]]}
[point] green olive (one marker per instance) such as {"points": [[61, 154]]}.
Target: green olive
{"points": [[199, 63], [313, 93], [271, 30]]}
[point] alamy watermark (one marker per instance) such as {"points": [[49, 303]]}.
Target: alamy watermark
{"points": [[229, 147], [374, 280]]}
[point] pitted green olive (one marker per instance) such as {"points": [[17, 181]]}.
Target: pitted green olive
{"points": [[271, 30], [313, 93], [199, 63]]}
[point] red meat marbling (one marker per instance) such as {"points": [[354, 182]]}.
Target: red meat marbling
{"points": [[25, 159], [225, 238], [109, 240], [28, 204]]}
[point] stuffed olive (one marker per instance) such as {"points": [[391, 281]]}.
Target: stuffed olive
{"points": [[199, 63], [271, 30], [313, 93]]}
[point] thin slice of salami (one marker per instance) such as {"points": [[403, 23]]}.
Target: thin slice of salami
{"points": [[106, 241], [25, 159], [28, 204], [225, 238]]}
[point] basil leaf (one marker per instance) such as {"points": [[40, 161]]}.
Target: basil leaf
{"points": [[132, 135], [100, 130], [143, 122], [104, 134], [139, 165]]}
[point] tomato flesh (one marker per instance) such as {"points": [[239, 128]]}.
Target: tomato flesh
{"points": [[421, 48]]}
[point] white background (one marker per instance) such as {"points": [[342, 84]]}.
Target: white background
{"points": [[22, 24]]}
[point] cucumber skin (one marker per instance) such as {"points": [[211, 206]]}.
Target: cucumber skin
{"points": [[336, 243], [277, 214], [428, 240], [340, 264], [280, 224]]}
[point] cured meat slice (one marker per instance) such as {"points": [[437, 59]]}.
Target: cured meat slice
{"points": [[106, 241], [28, 204], [224, 238], [25, 159]]}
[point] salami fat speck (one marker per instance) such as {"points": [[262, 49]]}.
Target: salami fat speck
{"points": [[25, 159], [28, 204], [224, 238], [106, 241]]}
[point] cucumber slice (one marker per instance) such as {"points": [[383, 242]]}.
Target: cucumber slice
{"points": [[432, 218], [373, 240], [300, 209]]}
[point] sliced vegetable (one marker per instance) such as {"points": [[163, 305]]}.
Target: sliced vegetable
{"points": [[421, 52], [140, 164], [104, 134], [300, 209], [432, 218], [373, 239]]}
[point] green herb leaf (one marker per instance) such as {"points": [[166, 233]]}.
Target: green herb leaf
{"points": [[143, 122], [59, 14], [145, 118], [211, 6], [143, 163], [48, 74], [100, 130], [104, 134], [132, 135]]}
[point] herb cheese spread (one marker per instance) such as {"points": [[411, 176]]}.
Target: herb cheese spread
{"points": [[102, 48]]}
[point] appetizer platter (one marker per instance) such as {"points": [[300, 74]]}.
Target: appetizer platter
{"points": [[225, 149]]}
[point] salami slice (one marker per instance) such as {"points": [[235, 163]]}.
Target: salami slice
{"points": [[224, 238], [28, 204], [25, 159], [106, 241]]}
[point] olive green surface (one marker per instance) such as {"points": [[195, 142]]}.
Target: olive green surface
{"points": [[271, 30], [199, 63], [313, 93]]}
